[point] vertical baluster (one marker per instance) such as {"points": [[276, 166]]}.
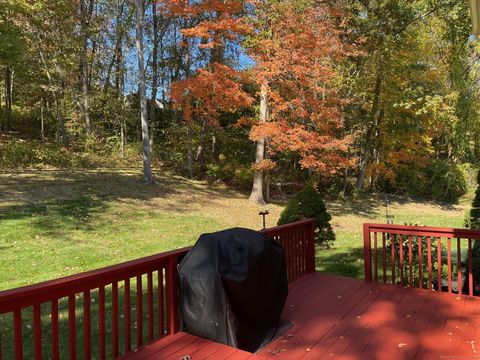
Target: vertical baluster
{"points": [[126, 316], [139, 311], [172, 298], [420, 262], [402, 277], [288, 244], [300, 252], [0, 338], [115, 349], [470, 273], [429, 255], [292, 254], [150, 305], [305, 249], [384, 258], [72, 335], [282, 241], [296, 252], [439, 263], [101, 322], [37, 331], [392, 245], [55, 343], [161, 309], [17, 333], [375, 256], [459, 268], [449, 264], [302, 238], [87, 342], [410, 259]]}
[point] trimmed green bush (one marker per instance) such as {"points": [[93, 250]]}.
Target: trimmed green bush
{"points": [[308, 203]]}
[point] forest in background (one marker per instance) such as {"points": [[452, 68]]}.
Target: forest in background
{"points": [[362, 95]]}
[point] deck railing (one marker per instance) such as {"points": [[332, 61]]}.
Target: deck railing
{"points": [[52, 309], [114, 310], [299, 244], [425, 257]]}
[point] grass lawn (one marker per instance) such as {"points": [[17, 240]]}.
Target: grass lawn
{"points": [[63, 222]]}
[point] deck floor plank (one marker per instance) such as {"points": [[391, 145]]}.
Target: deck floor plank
{"points": [[339, 338], [343, 318], [395, 337], [330, 304], [470, 331]]}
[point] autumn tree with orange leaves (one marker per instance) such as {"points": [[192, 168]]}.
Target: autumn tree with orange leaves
{"points": [[297, 47], [215, 88]]}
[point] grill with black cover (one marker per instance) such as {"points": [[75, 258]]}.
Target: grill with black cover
{"points": [[233, 286]]}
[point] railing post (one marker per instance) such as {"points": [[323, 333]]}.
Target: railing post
{"points": [[367, 258], [172, 296], [311, 247]]}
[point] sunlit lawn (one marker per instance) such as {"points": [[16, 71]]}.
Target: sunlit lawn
{"points": [[59, 223]]}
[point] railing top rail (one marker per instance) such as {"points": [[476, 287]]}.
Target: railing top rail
{"points": [[58, 288], [289, 226], [424, 231]]}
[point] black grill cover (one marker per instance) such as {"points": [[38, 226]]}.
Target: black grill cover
{"points": [[233, 286]]}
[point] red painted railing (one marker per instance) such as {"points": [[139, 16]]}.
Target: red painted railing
{"points": [[96, 291], [112, 311], [299, 244], [433, 258]]}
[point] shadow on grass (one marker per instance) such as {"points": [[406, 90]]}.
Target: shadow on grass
{"points": [[365, 207], [56, 203]]}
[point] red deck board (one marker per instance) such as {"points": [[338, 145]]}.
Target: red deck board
{"points": [[338, 339], [337, 317], [330, 307]]}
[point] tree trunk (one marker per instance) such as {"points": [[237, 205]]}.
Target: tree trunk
{"points": [[200, 157], [8, 102], [122, 140], [147, 169], [42, 120], [214, 147], [190, 150], [1, 116], [84, 67], [267, 186], [256, 195], [370, 132], [60, 133], [153, 100]]}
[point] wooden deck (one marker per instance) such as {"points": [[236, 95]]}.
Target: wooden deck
{"points": [[343, 318]]}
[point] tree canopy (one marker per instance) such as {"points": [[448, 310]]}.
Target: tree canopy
{"points": [[372, 95]]}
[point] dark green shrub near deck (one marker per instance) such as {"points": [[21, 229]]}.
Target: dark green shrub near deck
{"points": [[308, 203]]}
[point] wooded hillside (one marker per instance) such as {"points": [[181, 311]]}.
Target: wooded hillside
{"points": [[359, 94]]}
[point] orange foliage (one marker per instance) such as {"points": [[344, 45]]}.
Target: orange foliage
{"points": [[214, 92], [297, 59], [217, 88]]}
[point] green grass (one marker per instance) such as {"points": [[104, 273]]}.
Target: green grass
{"points": [[54, 224], [58, 223]]}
